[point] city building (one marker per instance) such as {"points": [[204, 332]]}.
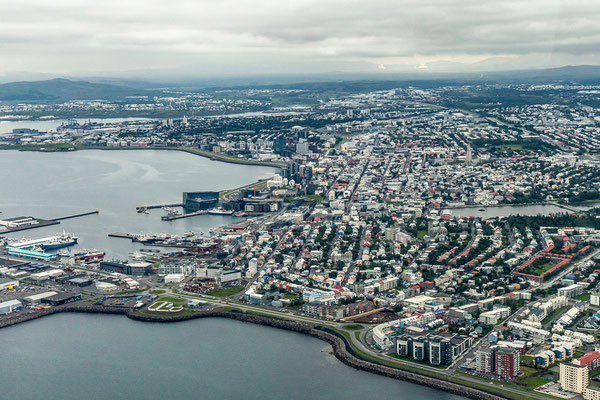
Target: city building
{"points": [[499, 361], [436, 349], [573, 376]]}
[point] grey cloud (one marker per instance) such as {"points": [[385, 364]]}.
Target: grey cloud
{"points": [[325, 31]]}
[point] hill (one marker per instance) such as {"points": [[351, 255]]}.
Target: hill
{"points": [[57, 90]]}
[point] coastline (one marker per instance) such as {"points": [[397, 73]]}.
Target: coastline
{"points": [[190, 150], [341, 348]]}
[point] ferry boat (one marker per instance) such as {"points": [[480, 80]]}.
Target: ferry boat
{"points": [[219, 211], [64, 240], [189, 234]]}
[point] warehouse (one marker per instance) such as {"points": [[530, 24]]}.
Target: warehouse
{"points": [[8, 283], [61, 298], [81, 281], [139, 268], [35, 298], [10, 306]]}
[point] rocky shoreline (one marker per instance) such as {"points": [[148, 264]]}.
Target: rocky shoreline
{"points": [[341, 349]]}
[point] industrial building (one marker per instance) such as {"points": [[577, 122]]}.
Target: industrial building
{"points": [[61, 298], [137, 269], [34, 255], [10, 306], [8, 283], [35, 298], [81, 281]]}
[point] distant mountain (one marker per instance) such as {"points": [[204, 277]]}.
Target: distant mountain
{"points": [[571, 73], [65, 90]]}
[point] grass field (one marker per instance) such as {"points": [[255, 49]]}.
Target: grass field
{"points": [[225, 292], [315, 197], [511, 147], [352, 327], [552, 315], [538, 270], [532, 377], [582, 297], [421, 234]]}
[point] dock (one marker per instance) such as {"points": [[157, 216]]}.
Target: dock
{"points": [[192, 214], [46, 222], [76, 215], [121, 235], [40, 224], [141, 209]]}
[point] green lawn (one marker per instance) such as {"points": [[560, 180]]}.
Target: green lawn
{"points": [[415, 361], [421, 234], [352, 327], [157, 291], [315, 197], [538, 270], [582, 297], [552, 315], [513, 147], [532, 377], [225, 292]]}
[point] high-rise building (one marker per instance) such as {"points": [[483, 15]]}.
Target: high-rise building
{"points": [[502, 362], [469, 156], [506, 362], [484, 361], [573, 376]]}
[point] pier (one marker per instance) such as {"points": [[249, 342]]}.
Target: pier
{"points": [[141, 209], [121, 235], [46, 222], [192, 214], [76, 215], [41, 223]]}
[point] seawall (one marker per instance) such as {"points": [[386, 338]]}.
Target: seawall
{"points": [[341, 348]]}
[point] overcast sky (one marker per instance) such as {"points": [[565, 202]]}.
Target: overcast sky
{"points": [[262, 36]]}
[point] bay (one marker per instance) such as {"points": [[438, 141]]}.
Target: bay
{"points": [[97, 357], [51, 185]]}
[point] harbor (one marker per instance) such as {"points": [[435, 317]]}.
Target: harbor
{"points": [[17, 224], [99, 178]]}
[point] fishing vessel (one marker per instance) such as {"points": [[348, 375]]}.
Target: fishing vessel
{"points": [[60, 241], [90, 256]]}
